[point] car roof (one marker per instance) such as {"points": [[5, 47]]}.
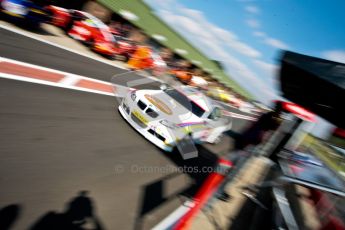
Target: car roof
{"points": [[104, 29], [197, 97]]}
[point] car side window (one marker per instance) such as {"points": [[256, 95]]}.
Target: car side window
{"points": [[78, 16], [89, 22], [215, 114]]}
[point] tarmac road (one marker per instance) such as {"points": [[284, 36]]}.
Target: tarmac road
{"points": [[21, 48], [55, 143]]}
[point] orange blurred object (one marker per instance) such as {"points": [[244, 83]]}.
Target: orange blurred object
{"points": [[141, 58], [182, 75]]}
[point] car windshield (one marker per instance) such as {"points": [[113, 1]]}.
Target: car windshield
{"points": [[216, 114], [185, 102], [104, 29]]}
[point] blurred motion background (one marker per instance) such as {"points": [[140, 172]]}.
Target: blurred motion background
{"points": [[229, 50], [230, 47]]}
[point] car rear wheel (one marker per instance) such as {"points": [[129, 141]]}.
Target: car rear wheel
{"points": [[119, 57], [90, 43], [69, 25]]}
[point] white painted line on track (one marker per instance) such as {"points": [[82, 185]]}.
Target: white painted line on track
{"points": [[70, 80], [174, 216], [73, 78], [52, 70], [67, 82], [27, 34], [42, 82]]}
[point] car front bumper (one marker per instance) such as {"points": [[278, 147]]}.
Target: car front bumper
{"points": [[143, 129]]}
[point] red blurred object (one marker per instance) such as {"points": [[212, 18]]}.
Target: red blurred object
{"points": [[326, 210], [60, 17], [210, 185], [298, 110], [145, 58], [339, 132], [125, 48], [93, 32], [85, 27], [114, 31]]}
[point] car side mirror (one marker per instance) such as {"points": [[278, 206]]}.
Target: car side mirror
{"points": [[163, 87]]}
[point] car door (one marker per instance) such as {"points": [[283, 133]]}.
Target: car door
{"points": [[214, 126]]}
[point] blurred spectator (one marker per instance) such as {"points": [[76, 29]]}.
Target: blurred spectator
{"points": [[116, 28], [259, 130], [120, 29], [141, 58], [197, 80], [182, 71], [126, 29], [166, 54]]}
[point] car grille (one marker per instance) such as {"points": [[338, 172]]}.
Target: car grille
{"points": [[160, 137], [141, 105], [139, 122], [151, 113]]}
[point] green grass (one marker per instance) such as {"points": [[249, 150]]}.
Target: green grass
{"points": [[325, 153]]}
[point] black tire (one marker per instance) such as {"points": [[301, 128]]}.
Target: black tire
{"points": [[69, 26], [121, 58], [90, 43], [49, 16], [126, 58], [112, 57]]}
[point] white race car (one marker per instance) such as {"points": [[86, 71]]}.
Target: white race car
{"points": [[166, 116]]}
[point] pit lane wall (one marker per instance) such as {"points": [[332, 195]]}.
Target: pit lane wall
{"points": [[207, 212], [224, 213]]}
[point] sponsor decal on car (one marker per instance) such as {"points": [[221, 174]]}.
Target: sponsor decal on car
{"points": [[140, 117], [159, 104], [37, 11]]}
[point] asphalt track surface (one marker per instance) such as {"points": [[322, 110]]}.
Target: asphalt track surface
{"points": [[55, 143], [22, 48]]}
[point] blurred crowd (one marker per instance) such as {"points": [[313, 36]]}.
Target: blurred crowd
{"points": [[147, 54]]}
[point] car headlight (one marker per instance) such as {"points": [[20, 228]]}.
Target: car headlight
{"points": [[168, 124], [133, 95], [15, 8]]}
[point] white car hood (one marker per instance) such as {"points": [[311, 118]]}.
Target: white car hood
{"points": [[175, 112]]}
